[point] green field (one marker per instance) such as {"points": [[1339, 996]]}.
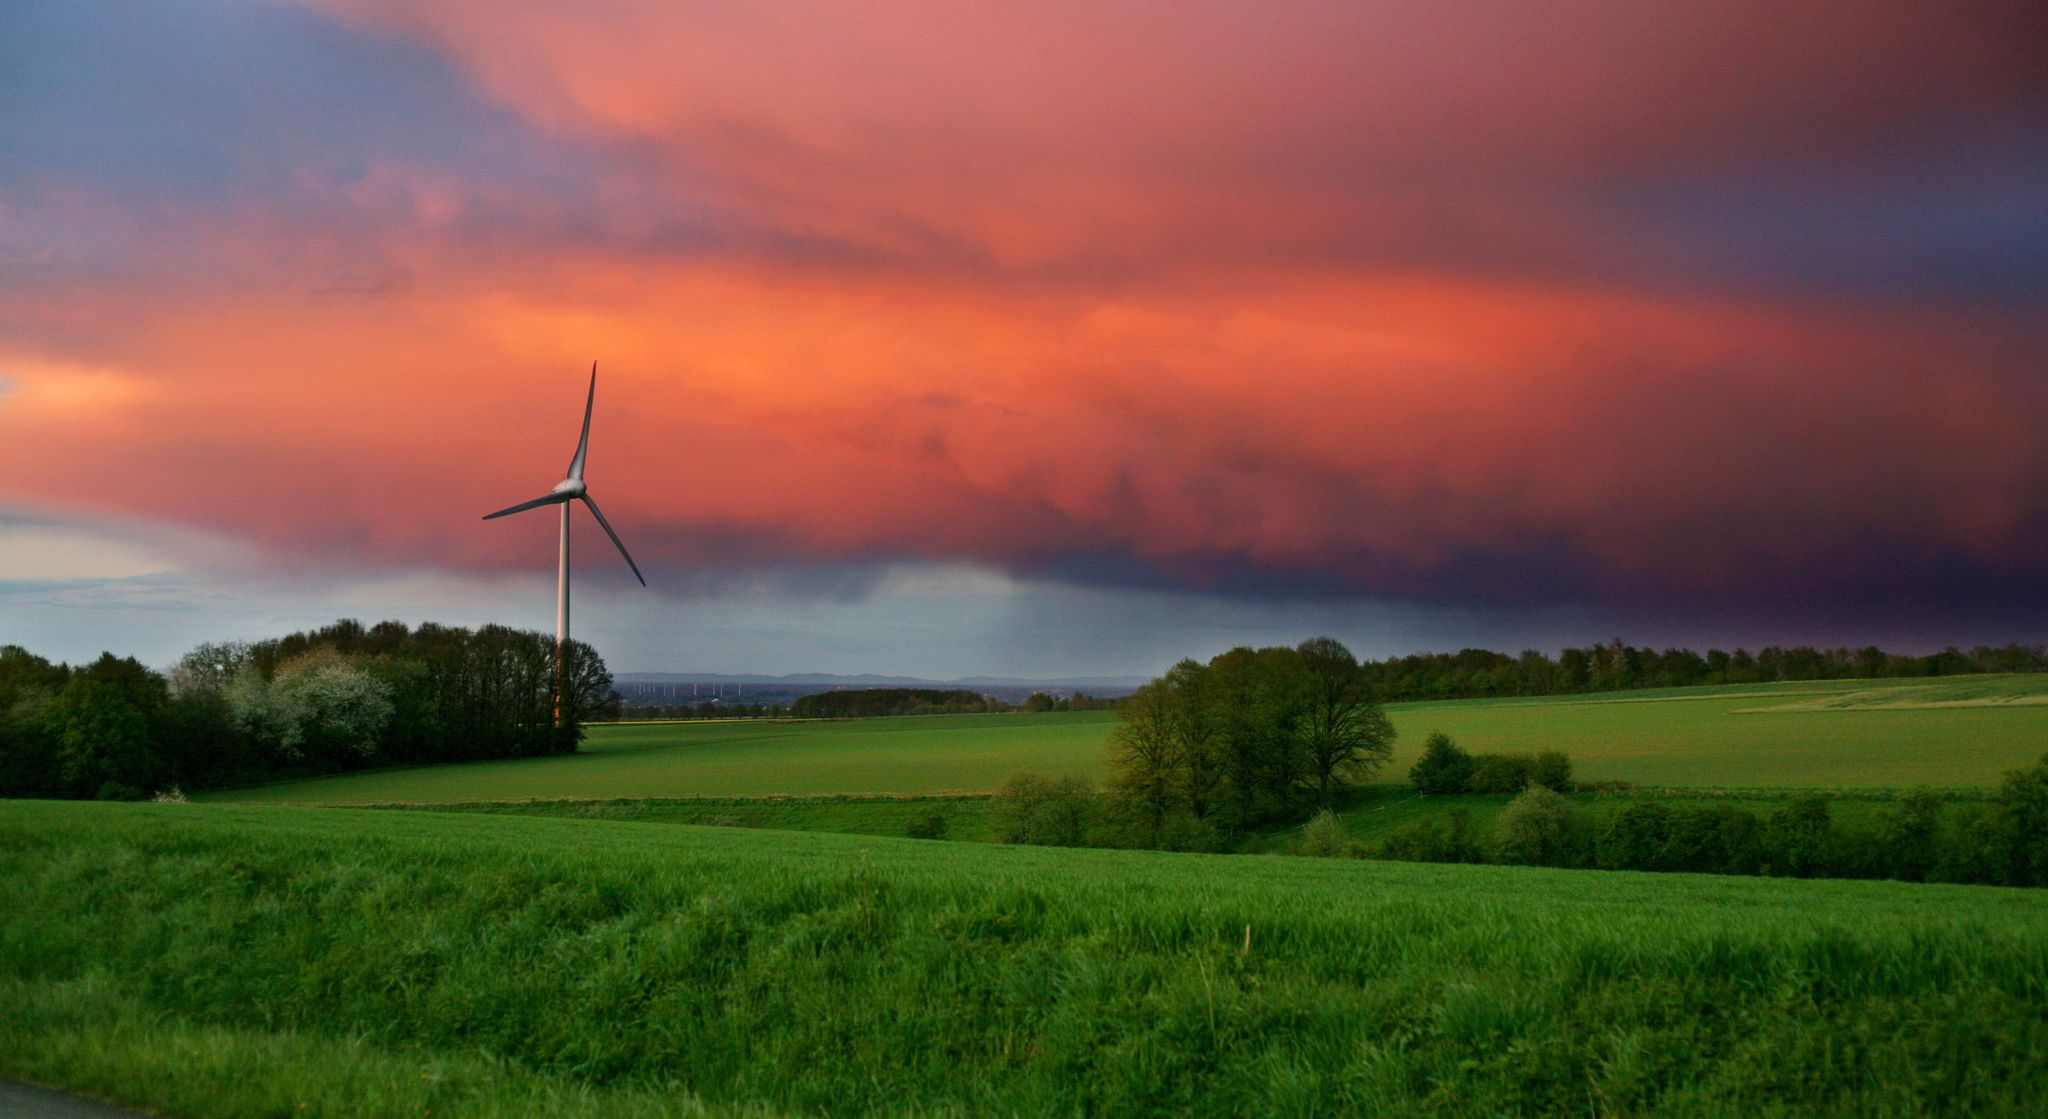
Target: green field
{"points": [[249, 961], [1369, 816], [1951, 733], [966, 816]]}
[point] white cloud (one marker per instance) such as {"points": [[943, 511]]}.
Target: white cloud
{"points": [[48, 553]]}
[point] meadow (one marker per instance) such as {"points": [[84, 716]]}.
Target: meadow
{"points": [[261, 961], [1959, 733], [1369, 815]]}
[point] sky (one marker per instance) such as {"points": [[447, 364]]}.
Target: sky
{"points": [[1027, 339]]}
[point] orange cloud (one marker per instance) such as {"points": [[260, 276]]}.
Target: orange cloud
{"points": [[1365, 299]]}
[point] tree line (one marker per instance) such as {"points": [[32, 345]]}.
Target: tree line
{"points": [[672, 712], [1615, 666], [2001, 841], [337, 698], [861, 703]]}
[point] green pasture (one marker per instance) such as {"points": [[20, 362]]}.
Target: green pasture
{"points": [[967, 817], [1369, 815], [1951, 733], [262, 961]]}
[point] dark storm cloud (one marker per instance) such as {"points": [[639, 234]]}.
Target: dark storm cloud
{"points": [[1680, 311]]}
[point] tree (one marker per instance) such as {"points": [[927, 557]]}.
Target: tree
{"points": [[1345, 737], [1049, 811], [588, 695], [28, 751], [321, 706], [102, 740], [338, 708], [1258, 700], [1198, 738], [1533, 828], [1445, 768], [1144, 751], [209, 666]]}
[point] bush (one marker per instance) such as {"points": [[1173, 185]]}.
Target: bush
{"points": [[1428, 841], [1906, 838], [1534, 829], [1796, 839], [2011, 838], [1634, 839], [1324, 836], [1125, 819], [1511, 773], [931, 825], [1044, 810], [1719, 840], [1501, 773], [1552, 770], [1648, 836], [1445, 767]]}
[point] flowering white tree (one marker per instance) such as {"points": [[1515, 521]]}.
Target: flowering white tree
{"points": [[322, 702]]}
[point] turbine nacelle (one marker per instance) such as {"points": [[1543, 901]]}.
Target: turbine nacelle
{"points": [[572, 488]]}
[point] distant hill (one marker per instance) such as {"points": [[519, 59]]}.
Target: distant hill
{"points": [[871, 680], [671, 687]]}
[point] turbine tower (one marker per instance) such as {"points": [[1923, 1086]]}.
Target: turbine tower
{"points": [[571, 488]]}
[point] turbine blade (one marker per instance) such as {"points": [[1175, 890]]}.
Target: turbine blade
{"points": [[583, 444], [607, 526], [550, 499]]}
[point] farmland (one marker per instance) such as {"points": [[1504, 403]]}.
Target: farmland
{"points": [[261, 961], [1835, 735], [1369, 816]]}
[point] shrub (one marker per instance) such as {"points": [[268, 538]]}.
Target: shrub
{"points": [[1500, 773], [1796, 839], [1324, 836], [1906, 838], [1648, 836], [2011, 837], [1534, 829], [1445, 767], [1635, 839], [1430, 841], [1124, 819], [1552, 770], [1184, 832], [1041, 809], [1511, 773], [1720, 840], [931, 825]]}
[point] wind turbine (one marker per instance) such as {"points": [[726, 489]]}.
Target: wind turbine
{"points": [[567, 490]]}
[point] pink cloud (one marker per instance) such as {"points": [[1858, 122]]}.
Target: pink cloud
{"points": [[1298, 290]]}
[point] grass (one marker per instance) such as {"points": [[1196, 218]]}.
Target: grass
{"points": [[253, 961], [966, 816], [1950, 733], [1367, 817]]}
